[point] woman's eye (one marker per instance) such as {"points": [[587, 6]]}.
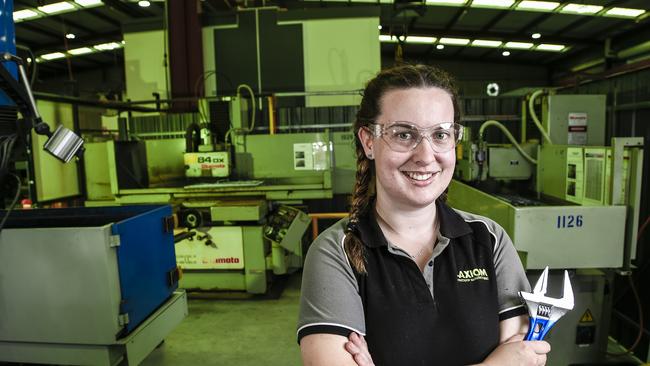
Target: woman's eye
{"points": [[441, 135], [403, 135]]}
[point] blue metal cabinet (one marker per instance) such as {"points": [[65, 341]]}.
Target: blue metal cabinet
{"points": [[84, 275]]}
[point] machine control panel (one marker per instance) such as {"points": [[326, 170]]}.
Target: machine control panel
{"points": [[286, 227]]}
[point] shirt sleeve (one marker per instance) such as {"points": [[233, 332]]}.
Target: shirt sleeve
{"points": [[329, 295], [511, 277]]}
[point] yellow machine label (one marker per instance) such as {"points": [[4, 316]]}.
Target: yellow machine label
{"points": [[209, 164], [587, 317]]}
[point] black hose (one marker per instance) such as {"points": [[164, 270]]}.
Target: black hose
{"points": [[192, 138]]}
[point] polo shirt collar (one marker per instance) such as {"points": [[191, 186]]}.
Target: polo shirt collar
{"points": [[371, 234], [451, 225]]}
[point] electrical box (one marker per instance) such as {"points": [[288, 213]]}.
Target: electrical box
{"points": [[207, 164], [561, 172], [595, 183], [624, 175], [286, 226], [576, 119], [508, 163]]}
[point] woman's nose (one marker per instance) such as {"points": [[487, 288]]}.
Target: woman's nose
{"points": [[424, 152]]}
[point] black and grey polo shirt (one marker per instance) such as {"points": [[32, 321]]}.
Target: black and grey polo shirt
{"points": [[447, 315]]}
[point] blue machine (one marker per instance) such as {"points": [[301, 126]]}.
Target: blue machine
{"points": [[87, 285], [7, 42]]}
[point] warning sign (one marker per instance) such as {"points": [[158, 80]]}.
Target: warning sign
{"points": [[577, 129], [587, 317]]}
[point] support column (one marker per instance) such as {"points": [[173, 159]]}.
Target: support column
{"points": [[185, 52]]}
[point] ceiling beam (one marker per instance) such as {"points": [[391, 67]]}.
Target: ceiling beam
{"points": [[127, 9], [585, 19], [459, 15], [494, 21], [498, 59], [44, 31], [69, 23], [530, 27], [83, 41], [440, 32], [99, 15]]}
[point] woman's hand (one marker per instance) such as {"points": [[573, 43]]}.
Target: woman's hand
{"points": [[513, 352], [517, 352], [358, 348]]}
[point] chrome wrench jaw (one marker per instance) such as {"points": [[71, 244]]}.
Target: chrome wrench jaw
{"points": [[545, 311]]}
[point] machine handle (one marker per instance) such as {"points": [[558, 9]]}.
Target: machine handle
{"points": [[184, 235]]}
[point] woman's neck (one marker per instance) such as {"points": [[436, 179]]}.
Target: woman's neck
{"points": [[407, 221]]}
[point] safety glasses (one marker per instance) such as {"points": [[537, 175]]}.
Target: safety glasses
{"points": [[402, 136]]}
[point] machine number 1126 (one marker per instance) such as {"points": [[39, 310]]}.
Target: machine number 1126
{"points": [[568, 221]]}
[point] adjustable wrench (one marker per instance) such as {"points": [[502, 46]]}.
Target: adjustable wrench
{"points": [[545, 311]]}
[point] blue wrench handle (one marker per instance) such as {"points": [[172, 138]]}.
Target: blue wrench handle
{"points": [[538, 328]]}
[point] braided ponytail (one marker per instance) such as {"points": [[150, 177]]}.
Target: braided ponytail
{"points": [[360, 201]]}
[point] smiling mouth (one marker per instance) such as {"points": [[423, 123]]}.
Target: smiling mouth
{"points": [[418, 176]]}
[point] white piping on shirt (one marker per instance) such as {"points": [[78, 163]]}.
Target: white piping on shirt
{"points": [[331, 324], [496, 241], [511, 308], [344, 253]]}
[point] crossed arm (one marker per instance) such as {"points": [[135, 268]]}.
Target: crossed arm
{"points": [[330, 349]]}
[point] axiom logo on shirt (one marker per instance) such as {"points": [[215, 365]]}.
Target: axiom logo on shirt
{"points": [[472, 275]]}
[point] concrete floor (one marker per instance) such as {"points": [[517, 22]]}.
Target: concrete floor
{"points": [[252, 331], [237, 329], [220, 330]]}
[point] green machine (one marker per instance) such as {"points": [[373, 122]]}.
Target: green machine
{"points": [[226, 245], [566, 199], [238, 202]]}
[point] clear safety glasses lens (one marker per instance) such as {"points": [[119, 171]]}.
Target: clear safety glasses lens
{"points": [[404, 137]]}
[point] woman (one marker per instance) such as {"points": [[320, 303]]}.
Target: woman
{"points": [[424, 283]]}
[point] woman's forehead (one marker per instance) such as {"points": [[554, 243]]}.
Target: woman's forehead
{"points": [[421, 106]]}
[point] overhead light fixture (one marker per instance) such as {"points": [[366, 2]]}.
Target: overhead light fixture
{"points": [[70, 36], [492, 3], [486, 43], [519, 45], [81, 51], [506, 53], [419, 39], [387, 38], [537, 5], [87, 3], [440, 46], [144, 3], [445, 2], [536, 36], [107, 46], [29, 60], [550, 47], [24, 15], [56, 7], [454, 41], [624, 12], [379, 27], [53, 56], [581, 9]]}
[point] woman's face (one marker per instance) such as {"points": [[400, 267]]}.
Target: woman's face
{"points": [[416, 178]]}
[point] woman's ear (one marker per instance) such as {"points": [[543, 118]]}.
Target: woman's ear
{"points": [[367, 140]]}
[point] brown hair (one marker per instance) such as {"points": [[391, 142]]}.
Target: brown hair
{"points": [[399, 77]]}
